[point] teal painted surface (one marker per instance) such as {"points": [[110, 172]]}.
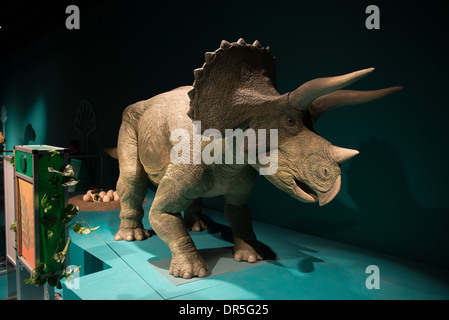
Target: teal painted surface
{"points": [[27, 114], [41, 147], [3, 287], [307, 267]]}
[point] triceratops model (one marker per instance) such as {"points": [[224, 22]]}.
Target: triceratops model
{"points": [[234, 89]]}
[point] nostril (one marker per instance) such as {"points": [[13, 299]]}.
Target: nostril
{"points": [[325, 172]]}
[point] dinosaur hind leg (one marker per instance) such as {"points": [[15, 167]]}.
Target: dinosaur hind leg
{"points": [[131, 186], [192, 216], [237, 213]]}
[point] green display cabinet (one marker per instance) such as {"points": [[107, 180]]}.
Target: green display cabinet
{"points": [[40, 201]]}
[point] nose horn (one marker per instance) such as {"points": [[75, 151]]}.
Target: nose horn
{"points": [[340, 155]]}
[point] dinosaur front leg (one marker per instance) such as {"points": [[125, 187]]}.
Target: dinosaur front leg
{"points": [[173, 196], [186, 262], [238, 216]]}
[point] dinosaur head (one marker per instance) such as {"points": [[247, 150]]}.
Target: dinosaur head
{"points": [[235, 88]]}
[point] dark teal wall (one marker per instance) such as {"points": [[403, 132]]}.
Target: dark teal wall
{"points": [[394, 194]]}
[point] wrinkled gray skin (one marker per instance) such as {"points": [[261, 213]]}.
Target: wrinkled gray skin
{"points": [[308, 165]]}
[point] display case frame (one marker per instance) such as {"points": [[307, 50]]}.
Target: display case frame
{"points": [[31, 248]]}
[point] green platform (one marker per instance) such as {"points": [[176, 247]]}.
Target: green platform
{"points": [[307, 267]]}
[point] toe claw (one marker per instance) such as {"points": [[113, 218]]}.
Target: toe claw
{"points": [[131, 234], [252, 259], [202, 273], [140, 237], [196, 226]]}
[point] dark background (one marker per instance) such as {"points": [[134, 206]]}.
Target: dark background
{"points": [[394, 194]]}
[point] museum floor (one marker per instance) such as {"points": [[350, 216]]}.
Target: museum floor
{"points": [[305, 267]]}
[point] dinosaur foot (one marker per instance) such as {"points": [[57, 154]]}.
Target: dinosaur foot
{"points": [[245, 252], [188, 265], [131, 234], [196, 225]]}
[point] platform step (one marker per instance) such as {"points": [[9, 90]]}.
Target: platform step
{"points": [[110, 284]]}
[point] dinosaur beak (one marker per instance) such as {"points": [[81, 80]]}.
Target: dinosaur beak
{"points": [[304, 194], [326, 197]]}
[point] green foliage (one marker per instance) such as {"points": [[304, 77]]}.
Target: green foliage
{"points": [[60, 256], [53, 180], [41, 274], [49, 221], [67, 176], [70, 212], [45, 203], [37, 277], [79, 228], [53, 153], [68, 273], [13, 226]]}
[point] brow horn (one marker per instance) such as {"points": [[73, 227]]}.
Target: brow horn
{"points": [[341, 98], [302, 97]]}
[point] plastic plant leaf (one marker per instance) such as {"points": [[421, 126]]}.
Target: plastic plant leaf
{"points": [[49, 220], [70, 212], [78, 228], [60, 256]]}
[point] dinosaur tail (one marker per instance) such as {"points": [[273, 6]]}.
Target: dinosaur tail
{"points": [[112, 152]]}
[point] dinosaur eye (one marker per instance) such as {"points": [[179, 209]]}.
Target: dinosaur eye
{"points": [[290, 121]]}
